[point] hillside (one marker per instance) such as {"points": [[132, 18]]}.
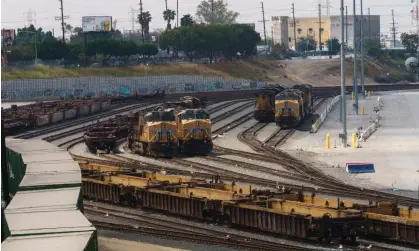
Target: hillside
{"points": [[246, 70], [316, 72]]}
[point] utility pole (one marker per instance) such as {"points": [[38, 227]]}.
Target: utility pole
{"points": [[346, 25], [342, 77], [355, 85], [177, 13], [417, 34], [393, 29], [166, 4], [295, 27], [369, 23], [264, 21], [141, 15], [320, 29], [62, 21], [212, 11], [362, 51]]}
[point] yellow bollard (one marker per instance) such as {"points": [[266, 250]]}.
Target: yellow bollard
{"points": [[354, 144], [353, 96], [369, 94], [362, 109], [328, 141]]}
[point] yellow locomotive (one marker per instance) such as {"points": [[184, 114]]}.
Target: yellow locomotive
{"points": [[154, 133], [265, 103], [194, 131], [289, 108], [306, 89]]}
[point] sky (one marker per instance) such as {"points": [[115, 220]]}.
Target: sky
{"points": [[14, 13]]}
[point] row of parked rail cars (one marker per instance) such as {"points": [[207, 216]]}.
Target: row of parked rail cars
{"points": [[18, 118], [283, 212], [172, 128], [288, 107], [104, 136]]}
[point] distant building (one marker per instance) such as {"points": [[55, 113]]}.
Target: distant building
{"points": [[388, 42], [283, 29]]}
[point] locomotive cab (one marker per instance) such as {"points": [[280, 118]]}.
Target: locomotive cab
{"points": [[194, 131]]}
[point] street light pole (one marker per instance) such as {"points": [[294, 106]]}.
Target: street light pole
{"points": [[342, 74], [362, 52], [355, 88]]}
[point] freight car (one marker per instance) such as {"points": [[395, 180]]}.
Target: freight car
{"points": [[228, 204], [20, 118], [104, 136], [265, 103], [289, 108], [283, 212], [154, 133]]}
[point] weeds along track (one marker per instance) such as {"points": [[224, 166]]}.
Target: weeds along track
{"points": [[120, 218], [311, 173]]}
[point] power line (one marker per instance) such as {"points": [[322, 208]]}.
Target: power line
{"points": [[294, 24], [264, 21], [346, 25], [393, 30], [320, 29]]}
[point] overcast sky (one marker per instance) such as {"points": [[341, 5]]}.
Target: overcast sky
{"points": [[14, 12]]}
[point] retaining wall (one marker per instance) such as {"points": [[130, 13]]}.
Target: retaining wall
{"points": [[56, 88]]}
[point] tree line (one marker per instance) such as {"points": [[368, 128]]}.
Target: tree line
{"points": [[200, 40]]}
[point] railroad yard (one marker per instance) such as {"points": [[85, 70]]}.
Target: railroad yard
{"points": [[261, 187]]}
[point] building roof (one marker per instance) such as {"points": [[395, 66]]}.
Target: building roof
{"points": [[31, 223], [52, 242], [44, 200]]}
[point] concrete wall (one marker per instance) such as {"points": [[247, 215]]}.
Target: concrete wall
{"points": [[50, 89]]}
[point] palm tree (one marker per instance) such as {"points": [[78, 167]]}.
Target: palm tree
{"points": [[69, 29], [168, 16], [144, 19]]}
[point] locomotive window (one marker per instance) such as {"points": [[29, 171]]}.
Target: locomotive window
{"points": [[188, 116], [153, 117], [168, 116], [202, 115]]}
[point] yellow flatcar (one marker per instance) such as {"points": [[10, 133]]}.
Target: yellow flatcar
{"points": [[289, 108], [154, 134]]}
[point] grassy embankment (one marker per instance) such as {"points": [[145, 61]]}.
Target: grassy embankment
{"points": [[246, 70]]}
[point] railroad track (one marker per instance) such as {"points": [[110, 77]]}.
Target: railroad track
{"points": [[173, 228], [315, 176], [229, 113]]}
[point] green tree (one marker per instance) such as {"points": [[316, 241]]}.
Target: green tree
{"points": [[69, 29], [147, 50], [27, 35], [144, 19], [187, 20], [410, 42], [168, 16], [333, 45], [215, 13], [53, 50], [77, 30], [373, 48], [306, 44], [212, 40]]}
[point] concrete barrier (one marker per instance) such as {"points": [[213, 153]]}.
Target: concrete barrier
{"points": [[365, 134], [315, 127]]}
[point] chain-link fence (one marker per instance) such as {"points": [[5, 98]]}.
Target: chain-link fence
{"points": [[56, 88]]}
